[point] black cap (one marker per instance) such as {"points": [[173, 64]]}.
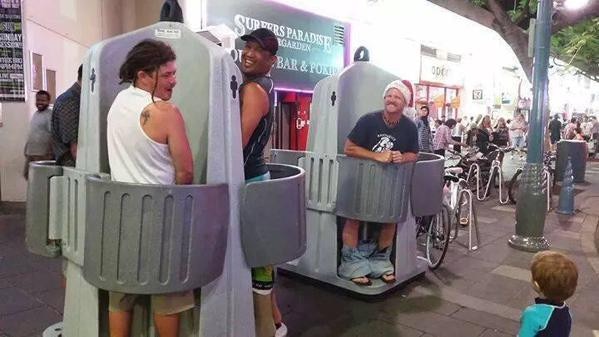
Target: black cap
{"points": [[265, 38]]}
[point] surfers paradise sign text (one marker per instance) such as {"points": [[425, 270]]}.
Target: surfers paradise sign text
{"points": [[310, 47]]}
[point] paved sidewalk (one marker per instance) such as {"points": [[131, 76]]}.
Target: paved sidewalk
{"points": [[480, 293]]}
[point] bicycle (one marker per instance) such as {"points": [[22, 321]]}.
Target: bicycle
{"points": [[461, 203], [438, 228], [481, 171], [548, 180]]}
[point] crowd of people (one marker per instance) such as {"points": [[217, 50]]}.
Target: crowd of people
{"points": [[436, 135], [583, 129]]}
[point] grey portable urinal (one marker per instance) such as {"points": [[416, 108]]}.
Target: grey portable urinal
{"points": [[338, 186], [151, 239]]}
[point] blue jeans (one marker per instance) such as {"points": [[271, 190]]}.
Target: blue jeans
{"points": [[518, 142]]}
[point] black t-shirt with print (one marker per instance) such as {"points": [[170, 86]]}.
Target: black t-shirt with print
{"points": [[371, 133]]}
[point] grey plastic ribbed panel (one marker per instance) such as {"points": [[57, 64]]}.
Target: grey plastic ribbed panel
{"points": [[146, 239], [321, 171], [577, 151], [72, 213], [38, 203], [360, 91], [371, 191], [287, 157], [273, 217], [321, 176], [427, 185]]}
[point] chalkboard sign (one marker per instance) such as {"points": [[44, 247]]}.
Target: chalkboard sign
{"points": [[12, 78]]}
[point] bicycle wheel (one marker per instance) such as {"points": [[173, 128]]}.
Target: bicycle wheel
{"points": [[512, 191], [437, 239]]}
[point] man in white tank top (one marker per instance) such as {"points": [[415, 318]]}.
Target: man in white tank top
{"points": [[147, 144]]}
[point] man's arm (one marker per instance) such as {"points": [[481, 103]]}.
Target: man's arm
{"points": [[405, 157], [73, 149], [255, 106], [411, 153], [353, 150], [178, 146]]}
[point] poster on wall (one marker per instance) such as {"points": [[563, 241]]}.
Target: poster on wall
{"points": [[51, 84], [37, 74], [12, 78], [311, 47]]}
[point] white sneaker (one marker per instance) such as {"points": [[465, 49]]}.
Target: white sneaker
{"points": [[281, 330]]}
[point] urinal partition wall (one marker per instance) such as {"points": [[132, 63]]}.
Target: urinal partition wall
{"points": [[372, 191], [427, 185], [273, 217], [37, 211], [139, 238]]}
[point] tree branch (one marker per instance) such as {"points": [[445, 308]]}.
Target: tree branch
{"points": [[564, 18], [513, 35], [466, 9]]}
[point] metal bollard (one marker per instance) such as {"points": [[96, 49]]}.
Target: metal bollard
{"points": [[566, 195]]}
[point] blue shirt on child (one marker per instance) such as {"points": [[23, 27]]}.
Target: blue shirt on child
{"points": [[545, 319]]}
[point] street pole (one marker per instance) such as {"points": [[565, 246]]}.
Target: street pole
{"points": [[531, 207]]}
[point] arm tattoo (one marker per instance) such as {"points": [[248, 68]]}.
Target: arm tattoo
{"points": [[145, 115]]}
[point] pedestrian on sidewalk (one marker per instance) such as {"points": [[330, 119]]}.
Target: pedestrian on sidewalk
{"points": [[443, 139], [457, 134], [518, 127], [425, 136], [555, 127], [554, 278]]}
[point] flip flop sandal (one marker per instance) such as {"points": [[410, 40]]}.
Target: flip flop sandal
{"points": [[362, 284], [387, 280]]}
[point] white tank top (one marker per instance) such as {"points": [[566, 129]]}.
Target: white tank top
{"points": [[133, 156]]}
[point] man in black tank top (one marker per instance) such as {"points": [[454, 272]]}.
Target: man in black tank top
{"points": [[256, 95]]}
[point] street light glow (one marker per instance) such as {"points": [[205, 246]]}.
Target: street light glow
{"points": [[575, 4]]}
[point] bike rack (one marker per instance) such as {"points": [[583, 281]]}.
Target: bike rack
{"points": [[496, 167], [475, 169], [472, 219], [547, 183]]}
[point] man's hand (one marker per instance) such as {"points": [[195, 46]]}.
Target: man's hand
{"points": [[384, 157], [397, 157]]}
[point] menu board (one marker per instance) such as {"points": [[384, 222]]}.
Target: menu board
{"points": [[12, 77]]}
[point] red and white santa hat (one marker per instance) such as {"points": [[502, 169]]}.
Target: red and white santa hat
{"points": [[402, 87]]}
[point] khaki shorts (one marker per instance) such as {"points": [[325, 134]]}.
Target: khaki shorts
{"points": [[163, 304]]}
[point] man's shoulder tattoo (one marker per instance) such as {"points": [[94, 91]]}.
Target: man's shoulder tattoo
{"points": [[145, 116]]}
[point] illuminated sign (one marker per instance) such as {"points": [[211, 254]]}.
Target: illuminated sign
{"points": [[311, 47], [444, 72]]}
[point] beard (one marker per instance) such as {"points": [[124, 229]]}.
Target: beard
{"points": [[42, 107]]}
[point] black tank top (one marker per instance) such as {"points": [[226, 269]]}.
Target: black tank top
{"points": [[253, 153]]}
